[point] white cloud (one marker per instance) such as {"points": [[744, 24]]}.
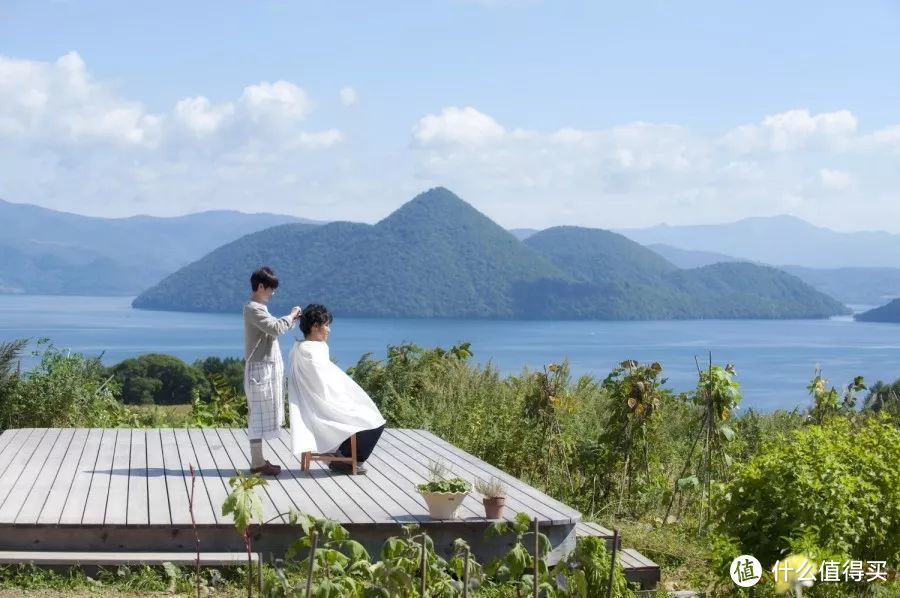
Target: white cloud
{"points": [[60, 101], [277, 101], [834, 179], [348, 96], [793, 130], [198, 115], [644, 173], [457, 126], [887, 137], [790, 130], [320, 139], [70, 141]]}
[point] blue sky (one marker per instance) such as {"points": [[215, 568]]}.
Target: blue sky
{"points": [[536, 112]]}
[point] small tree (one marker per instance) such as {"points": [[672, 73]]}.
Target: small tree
{"points": [[884, 398], [717, 396], [828, 402], [625, 444], [158, 379], [229, 370]]}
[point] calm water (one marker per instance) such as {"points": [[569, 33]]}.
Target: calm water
{"points": [[774, 359]]}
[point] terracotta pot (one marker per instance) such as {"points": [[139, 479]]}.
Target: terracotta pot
{"points": [[493, 506], [443, 505]]}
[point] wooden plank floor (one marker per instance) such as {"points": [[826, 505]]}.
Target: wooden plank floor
{"points": [[141, 478]]}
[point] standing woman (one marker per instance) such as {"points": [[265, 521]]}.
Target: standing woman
{"points": [[264, 368]]}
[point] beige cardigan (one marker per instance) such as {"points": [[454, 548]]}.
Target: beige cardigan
{"points": [[261, 332]]}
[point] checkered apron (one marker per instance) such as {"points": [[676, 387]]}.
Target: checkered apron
{"points": [[264, 387]]}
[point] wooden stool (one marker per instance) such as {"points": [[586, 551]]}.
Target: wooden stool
{"points": [[308, 457]]}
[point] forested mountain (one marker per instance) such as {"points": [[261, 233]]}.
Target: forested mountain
{"points": [[437, 256], [852, 286], [638, 283], [885, 313], [434, 257]]}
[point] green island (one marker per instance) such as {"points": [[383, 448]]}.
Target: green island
{"points": [[889, 312], [438, 257]]}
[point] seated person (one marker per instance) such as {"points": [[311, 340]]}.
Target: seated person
{"points": [[327, 406]]}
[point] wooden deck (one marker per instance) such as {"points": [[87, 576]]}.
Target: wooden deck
{"points": [[128, 490], [66, 492]]}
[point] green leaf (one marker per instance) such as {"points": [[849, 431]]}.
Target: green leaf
{"points": [[392, 548], [727, 432], [688, 483], [243, 503], [518, 560], [355, 551], [578, 583]]}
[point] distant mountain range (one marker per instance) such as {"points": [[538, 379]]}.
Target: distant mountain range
{"points": [[49, 252], [44, 251], [779, 240], [687, 258], [437, 256]]}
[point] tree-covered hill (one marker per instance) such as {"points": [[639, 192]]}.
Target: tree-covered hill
{"points": [[851, 286], [434, 257], [437, 256], [743, 290], [630, 281], [886, 313], [594, 255]]}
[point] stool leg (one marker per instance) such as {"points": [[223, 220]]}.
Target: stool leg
{"points": [[353, 453], [304, 462]]}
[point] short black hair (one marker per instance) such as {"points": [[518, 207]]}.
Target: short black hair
{"points": [[312, 315], [265, 276]]}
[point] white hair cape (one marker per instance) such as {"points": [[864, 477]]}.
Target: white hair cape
{"points": [[325, 405]]}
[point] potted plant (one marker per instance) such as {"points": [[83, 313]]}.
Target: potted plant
{"points": [[494, 492], [443, 495]]}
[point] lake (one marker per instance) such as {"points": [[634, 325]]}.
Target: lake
{"points": [[774, 358]]}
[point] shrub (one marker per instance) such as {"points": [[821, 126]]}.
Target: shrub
{"points": [[228, 369], [158, 379], [64, 389], [834, 486]]}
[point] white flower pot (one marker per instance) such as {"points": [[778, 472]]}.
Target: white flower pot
{"points": [[443, 505]]}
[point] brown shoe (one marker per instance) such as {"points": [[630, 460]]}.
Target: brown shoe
{"points": [[267, 469]]}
